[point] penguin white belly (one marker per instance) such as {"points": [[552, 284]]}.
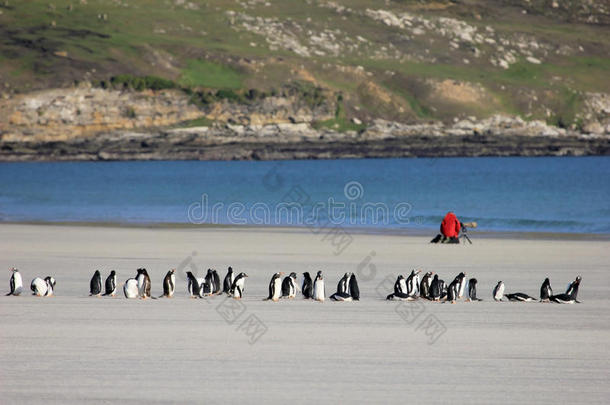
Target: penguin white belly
{"points": [[277, 289], [18, 283], [318, 290], [461, 289], [239, 288], [172, 288], [39, 287], [293, 289], [403, 286], [131, 289]]}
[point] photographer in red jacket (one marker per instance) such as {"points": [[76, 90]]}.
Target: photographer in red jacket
{"points": [[450, 230]]}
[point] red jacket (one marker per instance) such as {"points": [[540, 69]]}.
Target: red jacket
{"points": [[450, 227]]}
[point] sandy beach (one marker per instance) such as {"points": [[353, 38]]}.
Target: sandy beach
{"points": [[73, 348]]}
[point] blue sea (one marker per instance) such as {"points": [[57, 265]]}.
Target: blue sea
{"points": [[567, 194]]}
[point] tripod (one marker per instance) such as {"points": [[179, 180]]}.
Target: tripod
{"points": [[464, 235]]}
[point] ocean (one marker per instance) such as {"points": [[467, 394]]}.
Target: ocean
{"points": [[547, 194]]}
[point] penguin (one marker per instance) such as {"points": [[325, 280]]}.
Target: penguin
{"points": [[192, 285], [453, 290], [290, 286], [342, 293], [424, 285], [413, 283], [95, 286], [307, 287], [207, 288], [568, 297], [169, 284], [521, 297], [400, 290], [228, 281], [545, 290], [318, 287], [461, 284], [443, 288], [354, 290], [472, 290], [130, 288], [498, 291], [239, 286], [16, 283], [435, 289], [43, 288], [216, 282], [144, 283], [275, 287], [111, 284]]}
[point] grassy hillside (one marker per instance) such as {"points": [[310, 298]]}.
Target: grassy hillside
{"points": [[400, 60]]}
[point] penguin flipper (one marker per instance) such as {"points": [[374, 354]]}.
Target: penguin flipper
{"points": [[10, 293]]}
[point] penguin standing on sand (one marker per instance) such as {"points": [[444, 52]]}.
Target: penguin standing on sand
{"points": [[453, 290], [319, 291], [413, 283], [192, 285], [239, 285], [275, 287], [290, 286], [545, 290], [435, 289], [228, 281], [95, 286], [569, 297], [111, 284], [130, 288], [472, 290], [16, 283], [498, 291], [307, 287], [169, 284], [216, 282], [43, 288], [342, 293], [354, 290], [424, 285], [207, 287], [461, 284], [144, 283]]}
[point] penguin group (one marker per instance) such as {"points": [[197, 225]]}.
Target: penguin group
{"points": [[410, 288], [40, 287], [546, 293]]}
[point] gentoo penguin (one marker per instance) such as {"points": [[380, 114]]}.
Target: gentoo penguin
{"points": [[424, 285], [95, 286], [169, 284], [472, 290], [453, 290], [290, 286], [400, 290], [498, 291], [545, 290], [521, 297], [435, 289], [216, 282], [192, 285], [461, 284], [228, 281], [130, 288], [238, 286], [307, 287], [318, 287], [144, 283], [342, 293], [207, 288], [570, 296], [354, 290], [443, 288], [16, 283], [275, 287], [413, 283], [111, 284], [43, 288]]}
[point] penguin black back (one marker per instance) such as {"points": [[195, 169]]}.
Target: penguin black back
{"points": [[307, 288], [354, 290], [228, 281]]}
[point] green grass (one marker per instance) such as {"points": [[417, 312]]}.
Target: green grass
{"points": [[199, 122], [201, 73]]}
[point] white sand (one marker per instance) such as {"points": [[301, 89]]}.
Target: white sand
{"points": [[73, 348]]}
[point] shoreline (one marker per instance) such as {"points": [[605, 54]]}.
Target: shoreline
{"points": [[422, 232]]}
